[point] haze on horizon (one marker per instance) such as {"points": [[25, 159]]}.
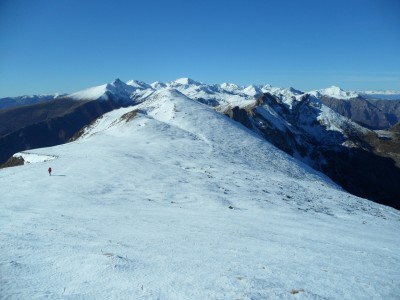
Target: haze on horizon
{"points": [[68, 45]]}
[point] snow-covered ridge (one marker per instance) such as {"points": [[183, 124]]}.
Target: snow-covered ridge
{"points": [[95, 93], [189, 205], [103, 92], [225, 95], [187, 86]]}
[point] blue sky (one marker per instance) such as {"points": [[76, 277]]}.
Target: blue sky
{"points": [[49, 46]]}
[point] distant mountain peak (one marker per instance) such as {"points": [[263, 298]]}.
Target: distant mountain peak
{"points": [[335, 92], [138, 84], [117, 88], [252, 90], [295, 91], [186, 81], [117, 85], [228, 85], [118, 81], [335, 88]]}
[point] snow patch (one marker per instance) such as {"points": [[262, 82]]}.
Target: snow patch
{"points": [[32, 158]]}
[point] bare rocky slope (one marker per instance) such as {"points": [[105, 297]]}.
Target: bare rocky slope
{"points": [[367, 168], [370, 113], [46, 124]]}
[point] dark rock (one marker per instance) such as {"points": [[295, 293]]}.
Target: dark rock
{"points": [[46, 124], [372, 114], [13, 162]]}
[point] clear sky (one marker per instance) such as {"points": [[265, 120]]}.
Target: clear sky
{"points": [[49, 46]]}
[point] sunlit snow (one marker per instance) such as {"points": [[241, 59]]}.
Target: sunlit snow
{"points": [[172, 200]]}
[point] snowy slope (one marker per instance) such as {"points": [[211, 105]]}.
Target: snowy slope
{"points": [[98, 92], [171, 200], [109, 91]]}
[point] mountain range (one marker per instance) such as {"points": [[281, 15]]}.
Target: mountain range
{"points": [[331, 130], [165, 197]]}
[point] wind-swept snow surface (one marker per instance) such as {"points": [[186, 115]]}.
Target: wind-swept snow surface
{"points": [[171, 200]]}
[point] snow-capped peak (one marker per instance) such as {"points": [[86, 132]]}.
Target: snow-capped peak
{"points": [[93, 93], [138, 84], [117, 82], [103, 92], [252, 90], [229, 86], [118, 86], [186, 81], [294, 91], [335, 92], [289, 96]]}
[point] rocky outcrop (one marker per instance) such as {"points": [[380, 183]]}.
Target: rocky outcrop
{"points": [[13, 162]]}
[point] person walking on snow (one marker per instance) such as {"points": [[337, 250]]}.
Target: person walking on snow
{"points": [[49, 171]]}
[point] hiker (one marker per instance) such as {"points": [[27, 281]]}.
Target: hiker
{"points": [[49, 171]]}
